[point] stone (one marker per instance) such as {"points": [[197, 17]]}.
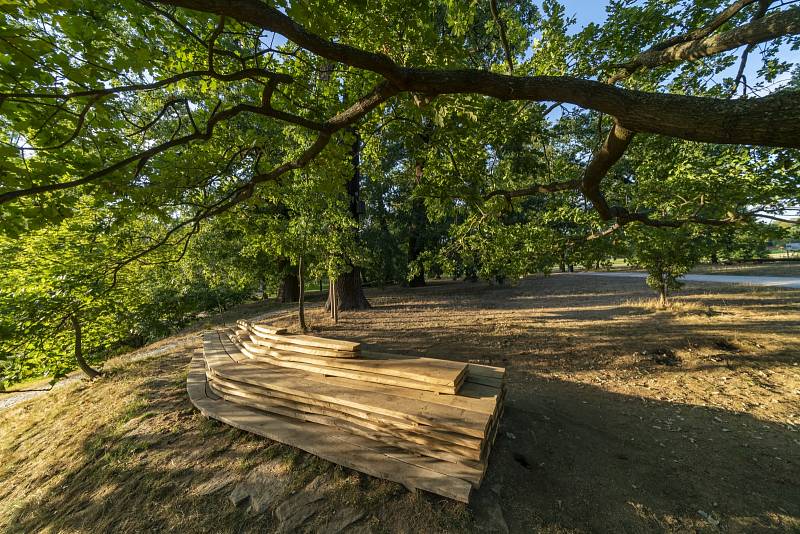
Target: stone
{"points": [[264, 487], [488, 513], [341, 520], [297, 509]]}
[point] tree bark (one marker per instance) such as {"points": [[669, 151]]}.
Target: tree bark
{"points": [[84, 366], [289, 290], [349, 291], [302, 297], [416, 241]]}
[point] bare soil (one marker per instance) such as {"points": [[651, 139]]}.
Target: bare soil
{"points": [[620, 418]]}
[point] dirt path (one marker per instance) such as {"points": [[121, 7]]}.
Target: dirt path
{"points": [[790, 282]]}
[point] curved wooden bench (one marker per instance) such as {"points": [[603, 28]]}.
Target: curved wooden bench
{"points": [[421, 439], [429, 374]]}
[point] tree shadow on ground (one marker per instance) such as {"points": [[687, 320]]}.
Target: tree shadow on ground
{"points": [[569, 457], [587, 459]]}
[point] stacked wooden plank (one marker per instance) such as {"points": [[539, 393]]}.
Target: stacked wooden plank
{"points": [[331, 357], [425, 423]]}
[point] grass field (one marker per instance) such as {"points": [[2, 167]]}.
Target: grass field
{"points": [[764, 269], [620, 418]]}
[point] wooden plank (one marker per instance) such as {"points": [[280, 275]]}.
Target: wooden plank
{"points": [[452, 437], [487, 371], [258, 327], [263, 341], [452, 464], [472, 397], [330, 445], [277, 357], [489, 381], [466, 446], [416, 368], [360, 396], [384, 420], [313, 341], [487, 405], [490, 445], [458, 442]]}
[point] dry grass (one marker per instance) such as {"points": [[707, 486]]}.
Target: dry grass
{"points": [[624, 418], [128, 453], [749, 269], [674, 305]]}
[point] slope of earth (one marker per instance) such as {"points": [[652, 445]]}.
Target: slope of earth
{"points": [[620, 418]]}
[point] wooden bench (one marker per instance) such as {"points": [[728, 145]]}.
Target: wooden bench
{"points": [[417, 437]]}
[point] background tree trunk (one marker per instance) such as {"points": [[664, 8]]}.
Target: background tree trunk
{"points": [[349, 291], [82, 364], [416, 238], [301, 300], [662, 296], [289, 290]]}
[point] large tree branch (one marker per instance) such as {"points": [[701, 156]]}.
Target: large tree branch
{"points": [[613, 148], [718, 20], [501, 28], [244, 74], [768, 121], [786, 22]]}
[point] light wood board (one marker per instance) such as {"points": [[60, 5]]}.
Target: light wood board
{"points": [[361, 396], [420, 369], [458, 442], [466, 468], [346, 347], [285, 359], [471, 396], [351, 451]]}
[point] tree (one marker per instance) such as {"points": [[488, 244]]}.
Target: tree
{"points": [[187, 78], [542, 141], [666, 254]]}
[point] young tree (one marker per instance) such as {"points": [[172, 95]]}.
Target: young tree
{"points": [[666, 255]]}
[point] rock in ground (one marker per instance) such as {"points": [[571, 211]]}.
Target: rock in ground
{"points": [[264, 486]]}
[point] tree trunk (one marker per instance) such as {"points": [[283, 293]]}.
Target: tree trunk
{"points": [[663, 301], [289, 290], [302, 297], [416, 241], [349, 292], [714, 258], [82, 364]]}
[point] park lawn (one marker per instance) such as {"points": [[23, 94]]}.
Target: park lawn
{"points": [[752, 269], [620, 417]]}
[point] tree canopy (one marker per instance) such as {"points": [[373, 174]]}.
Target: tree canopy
{"points": [[152, 146]]}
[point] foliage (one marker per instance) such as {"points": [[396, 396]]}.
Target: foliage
{"points": [[158, 163], [666, 254]]}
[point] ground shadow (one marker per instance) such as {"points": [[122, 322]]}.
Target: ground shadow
{"points": [[578, 457]]}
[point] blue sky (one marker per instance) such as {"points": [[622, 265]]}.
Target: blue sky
{"points": [[586, 11]]}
